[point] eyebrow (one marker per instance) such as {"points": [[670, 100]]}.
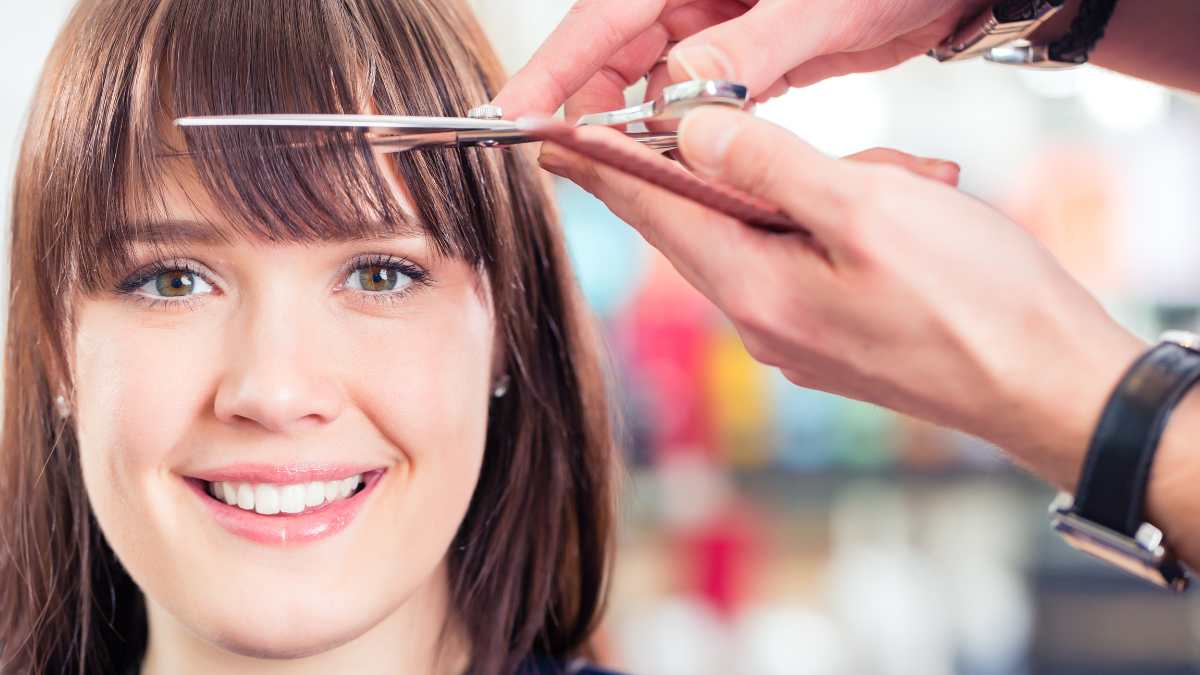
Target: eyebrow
{"points": [[178, 230]]}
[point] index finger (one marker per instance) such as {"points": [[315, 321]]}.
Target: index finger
{"points": [[590, 33]]}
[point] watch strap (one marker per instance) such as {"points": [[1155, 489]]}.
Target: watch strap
{"points": [[1112, 486], [1022, 10], [1086, 30]]}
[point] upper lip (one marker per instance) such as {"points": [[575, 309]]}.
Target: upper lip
{"points": [[283, 473]]}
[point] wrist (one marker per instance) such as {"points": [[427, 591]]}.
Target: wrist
{"points": [[1057, 407], [1172, 500]]}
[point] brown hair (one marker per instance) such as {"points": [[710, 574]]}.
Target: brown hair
{"points": [[530, 562]]}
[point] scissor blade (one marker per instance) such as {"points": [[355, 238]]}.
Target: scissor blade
{"points": [[408, 122], [403, 142]]}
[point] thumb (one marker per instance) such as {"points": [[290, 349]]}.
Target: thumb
{"points": [[770, 162], [736, 49]]}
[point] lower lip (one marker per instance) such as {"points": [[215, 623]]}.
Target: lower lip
{"points": [[287, 529]]}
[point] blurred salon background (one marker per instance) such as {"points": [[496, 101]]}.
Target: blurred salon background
{"points": [[773, 530]]}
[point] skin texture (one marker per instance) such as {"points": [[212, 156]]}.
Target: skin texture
{"points": [[912, 295], [1150, 39], [280, 361], [604, 45]]}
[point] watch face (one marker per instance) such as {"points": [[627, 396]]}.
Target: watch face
{"points": [[1156, 566]]}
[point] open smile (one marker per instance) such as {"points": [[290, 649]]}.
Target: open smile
{"points": [[288, 511]]}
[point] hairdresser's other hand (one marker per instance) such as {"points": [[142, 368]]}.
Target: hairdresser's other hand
{"points": [[602, 46], [915, 296]]}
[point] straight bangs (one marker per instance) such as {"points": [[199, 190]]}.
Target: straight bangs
{"points": [[530, 562], [290, 184]]}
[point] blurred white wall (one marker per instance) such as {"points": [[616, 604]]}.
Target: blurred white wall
{"points": [[515, 29], [26, 31]]}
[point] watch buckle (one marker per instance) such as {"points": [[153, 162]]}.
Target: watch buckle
{"points": [[987, 31], [1143, 555], [1183, 338], [1026, 54]]}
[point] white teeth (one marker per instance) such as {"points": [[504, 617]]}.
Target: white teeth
{"points": [[266, 499], [291, 498], [245, 496], [272, 498], [314, 493]]}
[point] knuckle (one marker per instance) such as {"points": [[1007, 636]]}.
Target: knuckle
{"points": [[592, 12], [766, 322], [798, 376], [582, 8], [758, 351]]}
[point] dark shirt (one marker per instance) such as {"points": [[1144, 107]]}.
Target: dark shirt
{"points": [[540, 665], [534, 665]]}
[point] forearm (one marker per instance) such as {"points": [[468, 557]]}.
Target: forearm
{"points": [[1149, 39]]}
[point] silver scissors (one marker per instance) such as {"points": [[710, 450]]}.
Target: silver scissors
{"points": [[484, 127]]}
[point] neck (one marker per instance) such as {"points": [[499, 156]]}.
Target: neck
{"points": [[404, 643]]}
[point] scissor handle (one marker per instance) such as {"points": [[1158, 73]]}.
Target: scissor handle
{"points": [[670, 176], [673, 103]]}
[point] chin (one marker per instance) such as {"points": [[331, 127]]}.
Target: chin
{"points": [[292, 639], [280, 647]]}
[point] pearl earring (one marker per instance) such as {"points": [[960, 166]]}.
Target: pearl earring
{"points": [[501, 387], [60, 405]]}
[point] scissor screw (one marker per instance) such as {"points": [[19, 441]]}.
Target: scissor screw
{"points": [[486, 111]]}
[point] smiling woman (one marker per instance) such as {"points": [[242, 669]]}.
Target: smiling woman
{"points": [[275, 402]]}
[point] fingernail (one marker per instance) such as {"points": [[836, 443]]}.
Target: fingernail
{"points": [[949, 171], [558, 163], [703, 62], [551, 161], [705, 135]]}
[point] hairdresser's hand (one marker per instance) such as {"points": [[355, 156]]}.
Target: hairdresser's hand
{"points": [[915, 296], [604, 45]]}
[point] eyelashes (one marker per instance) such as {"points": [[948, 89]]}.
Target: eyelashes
{"points": [[374, 279]]}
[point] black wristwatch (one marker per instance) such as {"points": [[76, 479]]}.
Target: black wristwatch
{"points": [[1106, 516]]}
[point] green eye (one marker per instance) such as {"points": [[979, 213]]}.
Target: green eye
{"points": [[174, 284], [379, 278]]}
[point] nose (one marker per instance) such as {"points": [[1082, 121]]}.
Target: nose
{"points": [[278, 374]]}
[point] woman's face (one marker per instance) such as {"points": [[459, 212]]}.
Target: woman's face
{"points": [[281, 376]]}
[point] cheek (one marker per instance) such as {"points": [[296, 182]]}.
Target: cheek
{"points": [[429, 393], [132, 406]]}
